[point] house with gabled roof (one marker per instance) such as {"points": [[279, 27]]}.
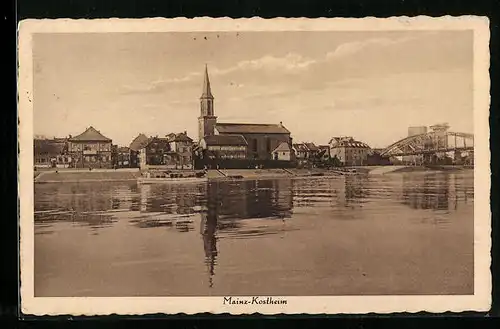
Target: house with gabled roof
{"points": [[283, 152], [90, 149], [305, 151], [180, 155], [262, 139], [121, 156], [349, 151], [135, 146], [174, 151], [153, 152]]}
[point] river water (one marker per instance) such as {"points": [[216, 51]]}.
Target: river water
{"points": [[406, 233]]}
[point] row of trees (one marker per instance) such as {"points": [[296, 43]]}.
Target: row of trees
{"points": [[323, 160]]}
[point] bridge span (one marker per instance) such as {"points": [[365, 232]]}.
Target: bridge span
{"points": [[433, 146]]}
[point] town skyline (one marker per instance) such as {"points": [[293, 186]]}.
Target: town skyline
{"points": [[317, 89]]}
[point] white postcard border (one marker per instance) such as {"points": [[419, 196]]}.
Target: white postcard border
{"points": [[480, 301]]}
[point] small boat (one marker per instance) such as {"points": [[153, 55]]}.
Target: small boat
{"points": [[167, 180]]}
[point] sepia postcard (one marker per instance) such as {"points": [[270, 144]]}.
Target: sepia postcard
{"points": [[242, 166]]}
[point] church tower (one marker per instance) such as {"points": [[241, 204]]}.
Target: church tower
{"points": [[207, 120]]}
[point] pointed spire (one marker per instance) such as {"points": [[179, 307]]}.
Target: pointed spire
{"points": [[207, 92]]}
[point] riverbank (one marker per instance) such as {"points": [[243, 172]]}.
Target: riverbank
{"points": [[80, 176], [381, 170], [271, 173], [111, 175]]}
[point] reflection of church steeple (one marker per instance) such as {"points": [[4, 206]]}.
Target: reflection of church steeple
{"points": [[209, 229]]}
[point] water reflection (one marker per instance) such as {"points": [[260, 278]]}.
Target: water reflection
{"points": [[233, 208], [99, 205], [214, 213], [437, 191], [209, 221], [88, 205]]}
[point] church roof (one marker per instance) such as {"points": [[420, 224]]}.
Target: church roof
{"points": [[226, 140], [251, 128], [90, 135], [207, 91]]}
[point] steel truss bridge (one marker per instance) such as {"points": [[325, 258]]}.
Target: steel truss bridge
{"points": [[431, 144]]}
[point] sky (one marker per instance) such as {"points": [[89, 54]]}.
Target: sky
{"points": [[368, 85]]}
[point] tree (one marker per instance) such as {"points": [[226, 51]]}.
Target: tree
{"points": [[335, 161]]}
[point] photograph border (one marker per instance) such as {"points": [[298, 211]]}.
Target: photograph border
{"points": [[480, 301]]}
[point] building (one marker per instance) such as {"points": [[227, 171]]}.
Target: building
{"points": [[121, 157], [283, 152], [222, 147], [349, 151], [180, 154], [305, 151], [440, 136], [261, 139], [300, 150], [51, 153], [153, 152], [135, 146], [90, 149], [207, 119], [306, 154], [413, 131], [174, 151]]}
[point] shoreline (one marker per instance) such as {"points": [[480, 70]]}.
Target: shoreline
{"points": [[237, 174]]}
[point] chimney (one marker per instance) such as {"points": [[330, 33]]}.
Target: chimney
{"points": [[281, 123], [185, 132]]}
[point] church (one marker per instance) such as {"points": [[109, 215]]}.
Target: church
{"points": [[255, 142]]}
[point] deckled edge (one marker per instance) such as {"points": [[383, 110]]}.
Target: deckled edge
{"points": [[27, 27]]}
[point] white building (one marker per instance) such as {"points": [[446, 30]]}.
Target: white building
{"points": [[282, 152], [349, 151]]}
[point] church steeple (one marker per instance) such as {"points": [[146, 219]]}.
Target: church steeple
{"points": [[207, 119], [207, 91]]}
